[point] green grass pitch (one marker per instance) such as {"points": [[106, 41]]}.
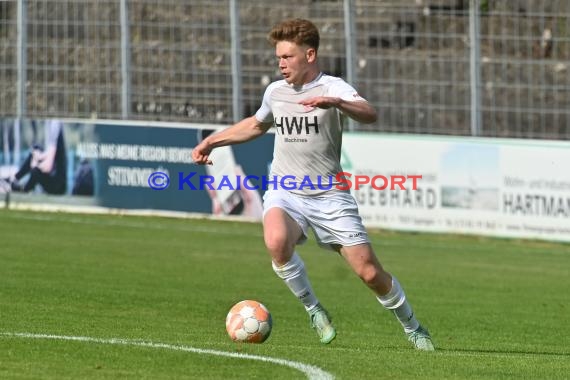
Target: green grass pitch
{"points": [[497, 309]]}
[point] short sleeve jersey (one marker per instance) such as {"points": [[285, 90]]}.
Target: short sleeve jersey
{"points": [[307, 140]]}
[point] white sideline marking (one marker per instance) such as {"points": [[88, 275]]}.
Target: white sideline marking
{"points": [[312, 372]]}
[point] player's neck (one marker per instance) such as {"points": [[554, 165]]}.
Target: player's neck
{"points": [[311, 76]]}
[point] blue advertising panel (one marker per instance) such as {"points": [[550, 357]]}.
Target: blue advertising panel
{"points": [[128, 166]]}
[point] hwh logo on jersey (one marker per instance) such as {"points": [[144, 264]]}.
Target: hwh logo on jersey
{"points": [[288, 125]]}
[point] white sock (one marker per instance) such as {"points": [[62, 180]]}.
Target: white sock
{"points": [[295, 277], [396, 301]]}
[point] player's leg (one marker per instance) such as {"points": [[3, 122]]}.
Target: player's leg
{"points": [[281, 233], [389, 293], [388, 290], [338, 225], [34, 178], [52, 184], [25, 167]]}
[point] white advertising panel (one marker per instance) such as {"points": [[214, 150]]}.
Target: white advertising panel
{"points": [[509, 188]]}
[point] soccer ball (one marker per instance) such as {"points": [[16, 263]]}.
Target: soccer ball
{"points": [[249, 322]]}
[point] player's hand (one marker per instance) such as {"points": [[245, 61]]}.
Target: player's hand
{"points": [[320, 102], [37, 157], [201, 154], [45, 166]]}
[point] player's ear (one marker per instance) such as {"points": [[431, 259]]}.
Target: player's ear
{"points": [[311, 54]]}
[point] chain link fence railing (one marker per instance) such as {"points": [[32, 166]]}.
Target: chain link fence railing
{"points": [[461, 67]]}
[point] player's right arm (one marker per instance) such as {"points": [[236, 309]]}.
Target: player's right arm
{"points": [[245, 130]]}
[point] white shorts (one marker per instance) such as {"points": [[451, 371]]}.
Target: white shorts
{"points": [[333, 217]]}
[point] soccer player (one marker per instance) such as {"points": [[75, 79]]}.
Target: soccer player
{"points": [[308, 110], [45, 166]]}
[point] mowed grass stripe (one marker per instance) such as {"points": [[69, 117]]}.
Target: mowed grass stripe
{"points": [[494, 306]]}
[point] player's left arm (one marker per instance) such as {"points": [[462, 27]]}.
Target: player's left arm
{"points": [[359, 110]]}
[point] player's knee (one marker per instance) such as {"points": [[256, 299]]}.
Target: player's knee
{"points": [[277, 243], [370, 275]]}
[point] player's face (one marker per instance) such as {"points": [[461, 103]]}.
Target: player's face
{"points": [[294, 61]]}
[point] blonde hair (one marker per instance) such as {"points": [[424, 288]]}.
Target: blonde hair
{"points": [[298, 31]]}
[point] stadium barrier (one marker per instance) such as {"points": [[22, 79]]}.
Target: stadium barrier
{"points": [[494, 187], [110, 165]]}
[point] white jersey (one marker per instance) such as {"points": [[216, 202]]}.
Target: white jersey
{"points": [[307, 140]]}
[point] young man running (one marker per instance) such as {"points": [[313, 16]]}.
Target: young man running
{"points": [[308, 110]]}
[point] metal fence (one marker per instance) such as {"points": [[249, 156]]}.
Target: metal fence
{"points": [[461, 67]]}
